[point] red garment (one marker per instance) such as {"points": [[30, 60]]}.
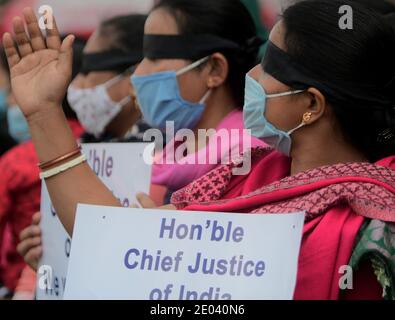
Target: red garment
{"points": [[20, 189], [337, 199]]}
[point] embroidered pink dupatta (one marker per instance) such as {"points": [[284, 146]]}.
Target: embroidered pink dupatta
{"points": [[337, 199]]}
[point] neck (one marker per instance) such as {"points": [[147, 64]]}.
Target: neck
{"points": [[318, 152], [219, 104], [123, 122]]}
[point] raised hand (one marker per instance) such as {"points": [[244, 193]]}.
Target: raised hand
{"points": [[40, 67]]}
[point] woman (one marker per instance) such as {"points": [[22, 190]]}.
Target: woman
{"points": [[20, 187], [196, 56], [236, 56], [328, 107], [107, 59], [234, 47], [335, 145], [101, 92]]}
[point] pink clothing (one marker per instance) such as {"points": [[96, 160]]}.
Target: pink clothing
{"points": [[337, 200], [26, 288], [229, 141]]}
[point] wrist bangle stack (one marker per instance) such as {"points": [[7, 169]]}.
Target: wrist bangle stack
{"points": [[61, 164], [62, 168], [51, 163]]}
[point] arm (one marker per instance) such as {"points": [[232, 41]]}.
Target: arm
{"points": [[40, 74]]}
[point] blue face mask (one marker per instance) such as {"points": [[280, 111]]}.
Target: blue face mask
{"points": [[17, 124], [160, 100], [3, 103], [255, 120]]}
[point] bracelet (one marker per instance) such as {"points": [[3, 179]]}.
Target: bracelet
{"points": [[62, 168], [53, 162]]}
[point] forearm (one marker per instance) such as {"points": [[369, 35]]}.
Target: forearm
{"points": [[52, 138]]}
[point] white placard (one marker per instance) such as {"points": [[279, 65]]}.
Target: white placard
{"points": [[122, 168], [138, 254]]}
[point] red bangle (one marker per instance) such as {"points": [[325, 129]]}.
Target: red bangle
{"points": [[48, 164]]}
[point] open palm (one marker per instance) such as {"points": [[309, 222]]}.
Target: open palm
{"points": [[40, 68]]}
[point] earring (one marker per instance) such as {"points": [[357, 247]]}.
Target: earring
{"points": [[307, 117]]}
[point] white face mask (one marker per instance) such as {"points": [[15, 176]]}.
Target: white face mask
{"points": [[94, 107]]}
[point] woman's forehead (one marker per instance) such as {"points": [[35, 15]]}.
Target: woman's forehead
{"points": [[161, 21], [96, 43], [277, 35]]}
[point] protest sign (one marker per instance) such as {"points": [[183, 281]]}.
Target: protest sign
{"points": [[140, 254], [122, 168]]}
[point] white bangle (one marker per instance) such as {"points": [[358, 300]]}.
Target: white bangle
{"points": [[62, 168]]}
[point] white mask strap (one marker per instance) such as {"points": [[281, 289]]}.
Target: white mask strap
{"points": [[113, 81], [124, 101], [191, 66], [205, 97], [297, 128], [283, 94]]}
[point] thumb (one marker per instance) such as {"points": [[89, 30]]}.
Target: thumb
{"points": [[66, 51], [36, 218], [145, 201]]}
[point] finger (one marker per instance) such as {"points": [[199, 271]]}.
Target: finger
{"points": [[25, 246], [66, 52], [30, 232], [21, 37], [33, 256], [53, 36], [10, 50], [36, 218], [145, 201], [36, 36]]}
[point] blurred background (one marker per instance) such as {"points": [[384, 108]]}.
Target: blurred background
{"points": [[74, 16], [81, 17]]}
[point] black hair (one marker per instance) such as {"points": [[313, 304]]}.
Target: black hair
{"points": [[381, 6], [228, 19], [124, 32], [355, 59], [391, 19]]}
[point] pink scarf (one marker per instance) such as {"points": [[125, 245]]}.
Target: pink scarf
{"points": [[175, 176]]}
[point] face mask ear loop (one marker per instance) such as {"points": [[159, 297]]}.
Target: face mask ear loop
{"points": [[124, 101], [192, 66], [205, 97], [112, 81], [118, 78], [306, 119], [284, 94], [297, 128]]}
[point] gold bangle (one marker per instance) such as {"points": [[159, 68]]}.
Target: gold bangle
{"points": [[60, 159]]}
